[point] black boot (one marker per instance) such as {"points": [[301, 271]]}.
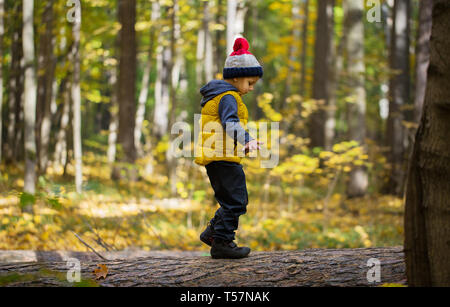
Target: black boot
{"points": [[207, 235], [221, 249]]}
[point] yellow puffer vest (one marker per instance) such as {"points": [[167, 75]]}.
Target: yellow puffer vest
{"points": [[213, 143]]}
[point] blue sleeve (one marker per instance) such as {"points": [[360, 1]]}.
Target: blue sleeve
{"points": [[230, 120]]}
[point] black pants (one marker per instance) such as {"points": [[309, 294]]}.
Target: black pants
{"points": [[228, 181]]}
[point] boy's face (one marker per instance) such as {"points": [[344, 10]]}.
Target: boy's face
{"points": [[245, 84]]}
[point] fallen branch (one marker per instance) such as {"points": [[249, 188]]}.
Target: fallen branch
{"points": [[99, 240], [92, 249]]}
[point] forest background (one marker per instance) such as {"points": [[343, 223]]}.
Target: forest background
{"points": [[89, 92]]}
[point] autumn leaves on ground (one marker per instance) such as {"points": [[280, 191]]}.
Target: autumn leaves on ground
{"points": [[117, 215]]}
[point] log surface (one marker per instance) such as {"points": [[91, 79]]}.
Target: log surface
{"points": [[314, 267]]}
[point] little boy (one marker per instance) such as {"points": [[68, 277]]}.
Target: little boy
{"points": [[219, 150]]}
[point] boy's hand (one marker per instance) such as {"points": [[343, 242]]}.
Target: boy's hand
{"points": [[251, 146]]}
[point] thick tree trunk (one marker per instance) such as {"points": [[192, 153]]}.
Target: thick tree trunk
{"points": [[422, 55], [356, 109], [16, 79], [30, 100], [399, 88], [76, 100], [320, 134], [427, 206], [2, 31], [127, 86], [318, 267]]}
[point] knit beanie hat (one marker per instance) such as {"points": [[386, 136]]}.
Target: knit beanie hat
{"points": [[241, 63]]}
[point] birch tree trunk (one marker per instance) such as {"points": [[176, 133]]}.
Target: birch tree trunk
{"points": [[422, 55], [321, 134], [356, 109], [304, 48], [76, 100], [399, 87], [30, 101], [204, 55], [208, 63], [236, 11], [143, 95], [46, 65], [114, 119], [219, 57], [200, 55], [427, 206], [231, 30], [293, 51], [162, 86], [170, 153], [60, 155]]}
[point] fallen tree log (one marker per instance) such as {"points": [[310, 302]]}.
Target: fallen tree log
{"points": [[314, 267]]}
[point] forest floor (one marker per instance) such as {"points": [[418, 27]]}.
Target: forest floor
{"points": [[120, 216]]}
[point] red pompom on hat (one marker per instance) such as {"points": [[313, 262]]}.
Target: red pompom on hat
{"points": [[240, 47]]}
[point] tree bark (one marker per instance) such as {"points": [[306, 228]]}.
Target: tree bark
{"points": [[60, 155], [30, 100], [208, 63], [171, 160], [16, 79], [304, 48], [204, 54], [127, 86], [2, 31], [162, 85], [293, 53], [422, 55], [46, 68], [236, 10], [114, 118], [76, 100], [320, 134], [219, 47], [318, 267], [399, 87], [200, 55], [356, 109], [143, 95], [427, 206]]}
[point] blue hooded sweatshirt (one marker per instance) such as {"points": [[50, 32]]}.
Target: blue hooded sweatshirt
{"points": [[227, 109]]}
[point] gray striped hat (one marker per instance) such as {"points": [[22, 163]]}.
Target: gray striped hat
{"points": [[241, 63]]}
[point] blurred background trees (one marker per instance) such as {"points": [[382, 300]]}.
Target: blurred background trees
{"points": [[89, 107]]}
